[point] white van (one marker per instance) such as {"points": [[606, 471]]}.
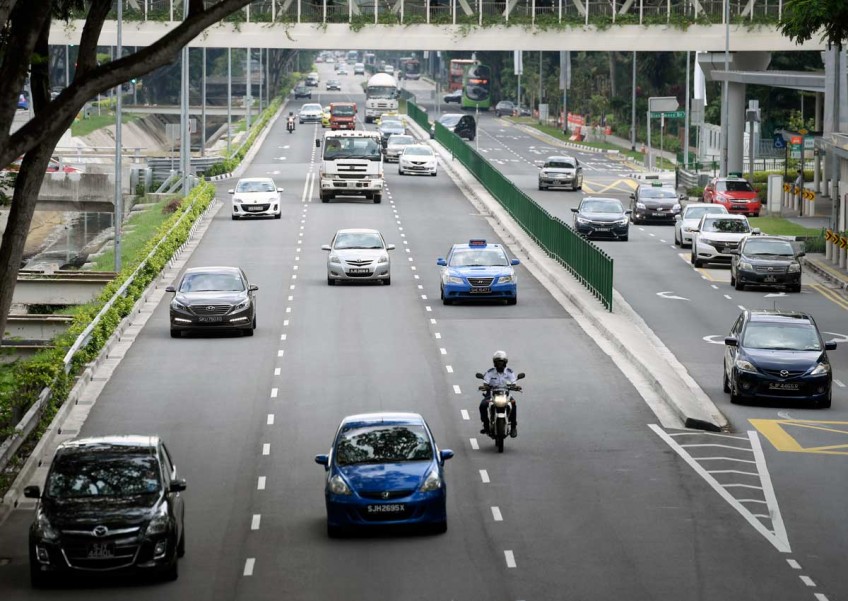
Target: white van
{"points": [[359, 68]]}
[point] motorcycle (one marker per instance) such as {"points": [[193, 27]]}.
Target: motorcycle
{"points": [[290, 124], [499, 409]]}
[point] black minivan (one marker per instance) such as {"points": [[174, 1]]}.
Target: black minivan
{"points": [[462, 125]]}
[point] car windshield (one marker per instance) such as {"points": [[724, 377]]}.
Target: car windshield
{"points": [[388, 92], [601, 206], [756, 246], [352, 148], [450, 120], [254, 186], [99, 474], [383, 444], [657, 193], [726, 226], [401, 140], [418, 150], [391, 126], [781, 336], [504, 104], [558, 164], [479, 258], [308, 108], [733, 186], [358, 240], [697, 212], [343, 111], [211, 282]]}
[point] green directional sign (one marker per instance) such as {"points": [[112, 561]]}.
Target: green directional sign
{"points": [[668, 114]]}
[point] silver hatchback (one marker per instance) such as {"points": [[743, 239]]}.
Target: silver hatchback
{"points": [[358, 255]]}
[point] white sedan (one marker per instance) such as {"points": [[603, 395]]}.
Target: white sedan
{"points": [[417, 158], [256, 197], [687, 222]]}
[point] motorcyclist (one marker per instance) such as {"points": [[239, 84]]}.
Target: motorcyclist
{"points": [[499, 376], [290, 123]]}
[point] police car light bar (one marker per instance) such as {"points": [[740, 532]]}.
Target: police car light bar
{"points": [[476, 243]]}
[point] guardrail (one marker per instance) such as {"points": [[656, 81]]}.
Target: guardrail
{"points": [[589, 264]]}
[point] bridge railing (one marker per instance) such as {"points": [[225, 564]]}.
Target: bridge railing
{"points": [[543, 13]]}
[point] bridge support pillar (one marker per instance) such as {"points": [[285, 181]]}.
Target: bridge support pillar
{"points": [[735, 126]]}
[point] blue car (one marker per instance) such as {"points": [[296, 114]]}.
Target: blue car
{"points": [[384, 469], [477, 271]]}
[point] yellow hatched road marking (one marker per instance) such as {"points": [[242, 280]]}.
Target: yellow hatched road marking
{"points": [[780, 438]]}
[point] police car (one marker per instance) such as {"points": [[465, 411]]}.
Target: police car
{"points": [[478, 270]]}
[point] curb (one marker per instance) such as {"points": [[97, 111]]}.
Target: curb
{"points": [[826, 272], [678, 398]]}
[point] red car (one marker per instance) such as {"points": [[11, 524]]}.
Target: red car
{"points": [[735, 193]]}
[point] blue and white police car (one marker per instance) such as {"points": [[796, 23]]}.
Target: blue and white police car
{"points": [[477, 271]]}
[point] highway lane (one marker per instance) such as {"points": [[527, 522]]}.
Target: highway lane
{"points": [[592, 503]]}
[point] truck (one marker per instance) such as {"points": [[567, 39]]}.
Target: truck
{"points": [[351, 165], [342, 115], [381, 96]]}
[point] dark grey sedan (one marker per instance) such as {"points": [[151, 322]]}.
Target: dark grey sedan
{"points": [[602, 217], [213, 298]]}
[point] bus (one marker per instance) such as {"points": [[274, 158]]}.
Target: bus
{"points": [[475, 83], [456, 72], [352, 56], [410, 68]]}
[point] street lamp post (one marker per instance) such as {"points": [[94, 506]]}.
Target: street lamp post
{"points": [[725, 110], [119, 197]]}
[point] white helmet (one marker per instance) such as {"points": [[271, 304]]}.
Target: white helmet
{"points": [[500, 357]]}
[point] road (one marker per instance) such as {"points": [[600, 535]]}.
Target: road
{"points": [[589, 501]]}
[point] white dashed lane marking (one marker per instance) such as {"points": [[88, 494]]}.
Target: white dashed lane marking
{"points": [[449, 369], [266, 449], [248, 566], [254, 523], [456, 389], [484, 476], [464, 414], [807, 580], [274, 392], [474, 444], [496, 514], [270, 419], [510, 559], [260, 485]]}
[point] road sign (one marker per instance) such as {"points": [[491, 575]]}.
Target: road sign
{"points": [[668, 114], [663, 104], [779, 142]]}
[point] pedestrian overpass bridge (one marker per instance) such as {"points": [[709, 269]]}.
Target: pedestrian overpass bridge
{"points": [[464, 25]]}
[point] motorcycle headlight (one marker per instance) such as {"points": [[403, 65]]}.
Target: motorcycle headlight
{"points": [[242, 305], [175, 304], [640, 205], [745, 266], [432, 482], [44, 529], [383, 259], [338, 486], [743, 365], [794, 268], [159, 524], [335, 260], [505, 279], [452, 279], [821, 369]]}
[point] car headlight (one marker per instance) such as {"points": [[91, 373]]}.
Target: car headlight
{"points": [[621, 221], [743, 365], [175, 304], [452, 279], [159, 524], [338, 486], [383, 259], [675, 208], [582, 220], [237, 200], [794, 268], [745, 266], [432, 482], [335, 260], [505, 279], [242, 305], [702, 240], [640, 205], [821, 369], [44, 529]]}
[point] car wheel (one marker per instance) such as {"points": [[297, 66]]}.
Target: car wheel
{"points": [[331, 281], [512, 301], [795, 288], [677, 241], [445, 301], [37, 578], [176, 333], [824, 404], [278, 216], [735, 399], [378, 198], [388, 281], [738, 284], [172, 572], [541, 187], [625, 238], [400, 171], [580, 187], [439, 527], [235, 217], [325, 198], [247, 332], [725, 381], [698, 263], [181, 545], [335, 531], [433, 174]]}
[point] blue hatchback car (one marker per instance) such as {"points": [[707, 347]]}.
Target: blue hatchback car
{"points": [[478, 271], [385, 469]]}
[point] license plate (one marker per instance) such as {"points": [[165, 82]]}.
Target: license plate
{"points": [[100, 551], [481, 290], [254, 208], [387, 508], [602, 229], [209, 318], [784, 386], [769, 278], [358, 270]]}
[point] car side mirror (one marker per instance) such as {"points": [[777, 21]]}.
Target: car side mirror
{"points": [[323, 460], [801, 254], [170, 289], [830, 345], [231, 192], [573, 210], [325, 247], [678, 218], [34, 492], [520, 376], [279, 189], [445, 454], [252, 288], [177, 485], [733, 251], [756, 231], [515, 262], [731, 341], [317, 143], [633, 196], [478, 375], [628, 212], [390, 247], [442, 262]]}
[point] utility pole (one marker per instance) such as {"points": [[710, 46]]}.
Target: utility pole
{"points": [[686, 118], [247, 89], [633, 107], [119, 197], [725, 116], [203, 105], [229, 100]]}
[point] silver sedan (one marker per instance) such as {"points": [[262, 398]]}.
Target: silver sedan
{"points": [[358, 255]]}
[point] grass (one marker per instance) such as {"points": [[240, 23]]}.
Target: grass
{"points": [[83, 127], [144, 225], [778, 226]]}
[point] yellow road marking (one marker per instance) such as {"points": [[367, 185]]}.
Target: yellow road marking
{"points": [[830, 295], [587, 185], [781, 439]]}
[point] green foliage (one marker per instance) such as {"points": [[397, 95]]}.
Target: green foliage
{"points": [[802, 19]]}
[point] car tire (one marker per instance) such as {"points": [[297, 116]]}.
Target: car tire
{"points": [[388, 281], [825, 404], [335, 531], [247, 332], [176, 333], [735, 399], [325, 198], [725, 381], [625, 238], [181, 545], [512, 301], [433, 174], [400, 171], [738, 285], [331, 281], [378, 198], [439, 527], [278, 216], [37, 578], [235, 218], [677, 241], [172, 572], [445, 301], [580, 187], [541, 187], [795, 288]]}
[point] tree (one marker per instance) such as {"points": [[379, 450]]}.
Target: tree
{"points": [[802, 19], [24, 48]]}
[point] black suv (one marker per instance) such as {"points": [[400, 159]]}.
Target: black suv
{"points": [[766, 261], [108, 503]]}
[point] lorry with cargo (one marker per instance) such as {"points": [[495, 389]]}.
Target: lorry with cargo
{"points": [[351, 165], [342, 115], [381, 96]]}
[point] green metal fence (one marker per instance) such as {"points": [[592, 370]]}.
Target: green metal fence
{"points": [[589, 264]]}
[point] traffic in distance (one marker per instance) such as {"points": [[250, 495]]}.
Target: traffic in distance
{"points": [[384, 468]]}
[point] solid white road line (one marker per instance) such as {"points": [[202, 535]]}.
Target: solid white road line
{"points": [[266, 449], [270, 419], [510, 557], [464, 414], [248, 566], [496, 514], [254, 523], [768, 490], [474, 444], [260, 485], [484, 476]]}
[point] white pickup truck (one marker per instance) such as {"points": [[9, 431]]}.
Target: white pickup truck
{"points": [[351, 165]]}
